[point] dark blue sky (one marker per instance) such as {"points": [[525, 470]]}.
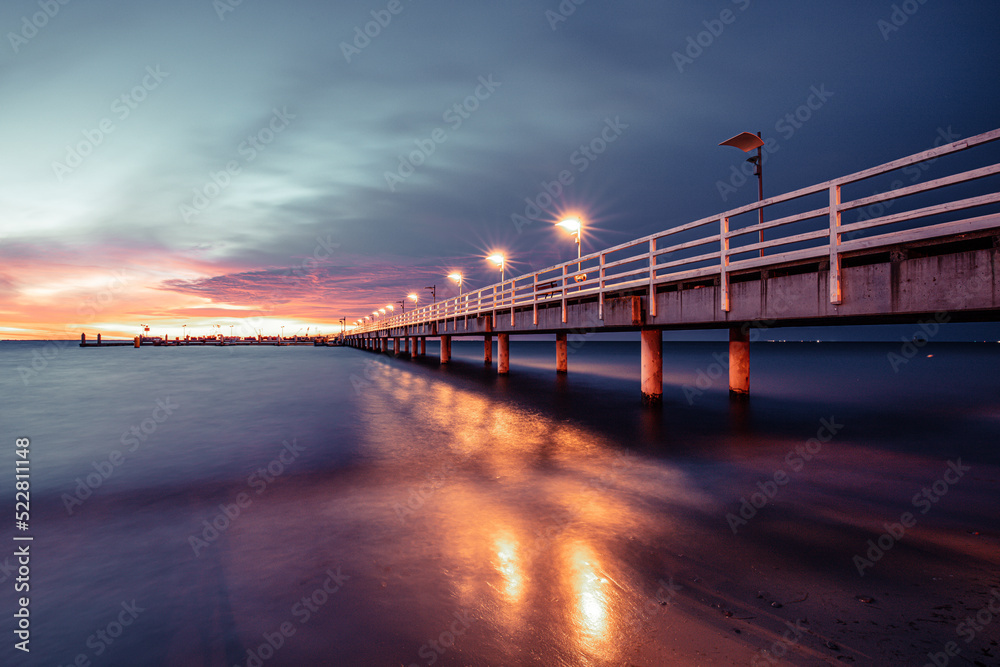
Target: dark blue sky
{"points": [[231, 161]]}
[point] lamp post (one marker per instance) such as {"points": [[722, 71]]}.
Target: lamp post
{"points": [[746, 142], [500, 261], [457, 277], [433, 289], [574, 226]]}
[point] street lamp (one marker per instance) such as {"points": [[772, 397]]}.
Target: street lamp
{"points": [[433, 289], [746, 142], [457, 277], [413, 297], [574, 226], [500, 261]]}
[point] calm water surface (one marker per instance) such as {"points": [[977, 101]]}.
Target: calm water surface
{"points": [[394, 512]]}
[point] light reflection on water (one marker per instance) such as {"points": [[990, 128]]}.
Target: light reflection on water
{"points": [[437, 490], [591, 610]]}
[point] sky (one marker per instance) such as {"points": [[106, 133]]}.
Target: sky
{"points": [[284, 164]]}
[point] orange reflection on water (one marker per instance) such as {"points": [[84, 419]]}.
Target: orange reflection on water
{"points": [[509, 567], [590, 591]]}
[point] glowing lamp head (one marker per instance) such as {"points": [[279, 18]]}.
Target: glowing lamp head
{"points": [[457, 277], [390, 307], [413, 297], [572, 225], [497, 259]]}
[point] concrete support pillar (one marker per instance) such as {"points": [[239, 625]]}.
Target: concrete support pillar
{"points": [[384, 345], [503, 349], [488, 350], [396, 349], [739, 362], [423, 347], [445, 349], [652, 366], [562, 354]]}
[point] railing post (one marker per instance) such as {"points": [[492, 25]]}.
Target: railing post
{"points": [[835, 215], [652, 278], [513, 300], [724, 261], [600, 289], [565, 289], [534, 301]]}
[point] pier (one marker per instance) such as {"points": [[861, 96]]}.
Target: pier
{"points": [[932, 264], [166, 341]]}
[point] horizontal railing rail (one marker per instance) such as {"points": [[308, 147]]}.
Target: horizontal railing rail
{"points": [[719, 252]]}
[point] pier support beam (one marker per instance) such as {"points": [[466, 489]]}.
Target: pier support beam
{"points": [[413, 346], [423, 347], [562, 354], [445, 349], [396, 349], [384, 345], [503, 350], [652, 366], [488, 350], [739, 362]]}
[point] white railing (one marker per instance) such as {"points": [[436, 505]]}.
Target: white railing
{"points": [[646, 262]]}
